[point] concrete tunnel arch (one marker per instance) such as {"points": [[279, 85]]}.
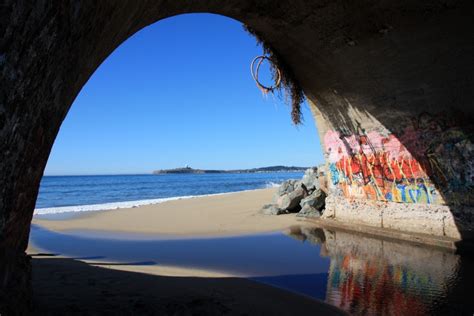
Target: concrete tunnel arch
{"points": [[375, 74]]}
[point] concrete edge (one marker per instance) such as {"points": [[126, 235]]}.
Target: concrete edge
{"points": [[440, 242]]}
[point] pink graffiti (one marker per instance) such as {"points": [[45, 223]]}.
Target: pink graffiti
{"points": [[377, 167]]}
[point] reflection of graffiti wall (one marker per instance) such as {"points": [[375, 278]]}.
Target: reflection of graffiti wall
{"points": [[378, 165], [371, 287], [373, 277]]}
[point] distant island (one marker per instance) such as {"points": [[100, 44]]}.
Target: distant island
{"points": [[189, 170]]}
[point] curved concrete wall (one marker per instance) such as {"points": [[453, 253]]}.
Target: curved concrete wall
{"points": [[390, 84], [395, 119]]}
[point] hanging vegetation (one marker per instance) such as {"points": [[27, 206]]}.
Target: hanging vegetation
{"points": [[254, 70], [282, 75]]}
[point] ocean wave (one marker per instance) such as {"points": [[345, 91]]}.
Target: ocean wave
{"points": [[108, 206], [118, 205], [271, 184], [132, 204]]}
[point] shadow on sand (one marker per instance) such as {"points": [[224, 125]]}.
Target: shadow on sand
{"points": [[67, 286]]}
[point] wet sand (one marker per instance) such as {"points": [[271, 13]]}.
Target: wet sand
{"points": [[209, 216], [86, 286]]}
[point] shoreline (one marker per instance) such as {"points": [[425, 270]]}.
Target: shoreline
{"points": [[110, 206], [224, 214]]}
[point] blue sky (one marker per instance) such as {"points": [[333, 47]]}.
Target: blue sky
{"points": [[180, 92]]}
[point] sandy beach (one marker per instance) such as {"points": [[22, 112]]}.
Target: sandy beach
{"points": [[220, 215], [217, 215], [157, 289]]}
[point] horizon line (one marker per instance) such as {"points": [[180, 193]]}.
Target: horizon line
{"points": [[151, 172]]}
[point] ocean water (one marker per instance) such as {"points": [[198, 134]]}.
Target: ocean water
{"points": [[60, 194]]}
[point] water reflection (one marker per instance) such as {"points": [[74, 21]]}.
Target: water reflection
{"points": [[247, 256], [369, 276], [362, 275]]}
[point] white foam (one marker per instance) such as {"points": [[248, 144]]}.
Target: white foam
{"points": [[108, 206], [118, 205], [272, 185], [128, 204]]}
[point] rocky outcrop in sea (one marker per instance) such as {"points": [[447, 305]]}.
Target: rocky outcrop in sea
{"points": [[305, 197]]}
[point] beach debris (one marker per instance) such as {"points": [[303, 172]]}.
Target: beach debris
{"points": [[255, 68]]}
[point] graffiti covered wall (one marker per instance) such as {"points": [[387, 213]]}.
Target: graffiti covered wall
{"points": [[378, 165]]}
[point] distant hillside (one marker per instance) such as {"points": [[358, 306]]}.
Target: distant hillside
{"points": [[190, 170]]}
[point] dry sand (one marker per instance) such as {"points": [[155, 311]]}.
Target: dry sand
{"points": [[64, 285], [218, 215]]}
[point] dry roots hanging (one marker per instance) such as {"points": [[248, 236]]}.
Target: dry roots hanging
{"points": [[283, 75]]}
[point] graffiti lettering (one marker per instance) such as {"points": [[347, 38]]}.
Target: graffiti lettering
{"points": [[378, 166]]}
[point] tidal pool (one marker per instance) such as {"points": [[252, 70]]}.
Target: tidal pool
{"points": [[360, 274]]}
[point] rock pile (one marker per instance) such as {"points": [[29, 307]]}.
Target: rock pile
{"points": [[305, 197]]}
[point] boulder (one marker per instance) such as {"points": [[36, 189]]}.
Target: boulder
{"points": [[311, 179], [295, 195], [287, 187], [312, 205], [315, 200], [309, 211], [291, 201], [271, 209], [282, 201]]}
